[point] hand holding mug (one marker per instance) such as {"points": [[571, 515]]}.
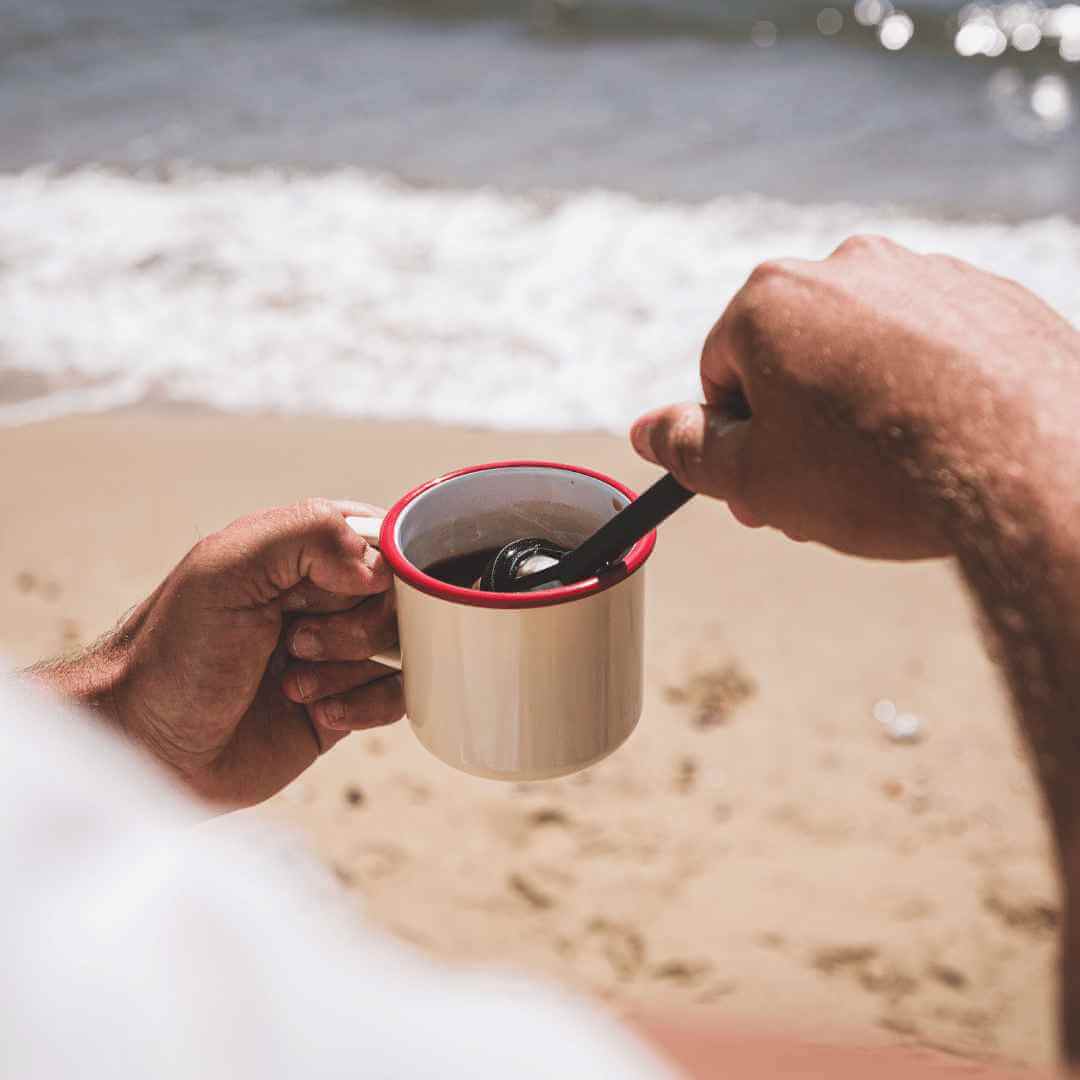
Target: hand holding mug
{"points": [[275, 637], [196, 673]]}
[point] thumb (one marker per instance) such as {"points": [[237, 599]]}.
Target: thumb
{"points": [[702, 446]]}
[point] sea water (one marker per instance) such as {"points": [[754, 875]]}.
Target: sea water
{"points": [[486, 212]]}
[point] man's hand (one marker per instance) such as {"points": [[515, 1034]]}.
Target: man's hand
{"points": [[200, 673], [878, 380]]}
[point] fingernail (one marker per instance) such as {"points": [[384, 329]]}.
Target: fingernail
{"points": [[641, 439], [332, 714], [304, 685], [371, 557], [306, 644]]}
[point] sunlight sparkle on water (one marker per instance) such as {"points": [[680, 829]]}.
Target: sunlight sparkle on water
{"points": [[977, 38], [1051, 101], [1025, 37], [763, 33], [988, 29], [896, 31], [1036, 110], [1064, 24], [1011, 17], [871, 12]]}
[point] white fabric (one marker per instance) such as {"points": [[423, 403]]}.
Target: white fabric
{"points": [[136, 943]]}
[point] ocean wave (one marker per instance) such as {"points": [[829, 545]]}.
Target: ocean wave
{"points": [[352, 295]]}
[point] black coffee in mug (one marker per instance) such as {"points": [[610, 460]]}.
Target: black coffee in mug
{"points": [[462, 570]]}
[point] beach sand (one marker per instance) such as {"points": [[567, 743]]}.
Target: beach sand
{"points": [[759, 847]]}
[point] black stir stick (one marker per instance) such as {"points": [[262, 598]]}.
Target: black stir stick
{"points": [[607, 544]]}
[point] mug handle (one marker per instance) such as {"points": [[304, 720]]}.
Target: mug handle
{"points": [[369, 528]]}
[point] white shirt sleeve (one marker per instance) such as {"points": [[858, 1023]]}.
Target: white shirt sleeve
{"points": [[137, 944]]}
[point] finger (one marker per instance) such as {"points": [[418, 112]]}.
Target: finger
{"points": [[863, 244], [349, 635], [307, 683], [352, 508], [720, 378], [701, 445], [735, 344], [308, 598], [264, 555], [375, 705]]}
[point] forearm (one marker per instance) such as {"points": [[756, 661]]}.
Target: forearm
{"points": [[94, 678], [1015, 522]]}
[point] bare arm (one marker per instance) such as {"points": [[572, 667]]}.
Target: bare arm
{"points": [[1018, 545], [908, 406]]}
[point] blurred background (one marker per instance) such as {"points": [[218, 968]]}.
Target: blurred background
{"points": [[256, 250], [964, 112], [579, 183]]}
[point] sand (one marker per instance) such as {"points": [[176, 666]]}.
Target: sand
{"points": [[759, 847]]}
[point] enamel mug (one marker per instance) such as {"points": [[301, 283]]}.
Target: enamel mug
{"points": [[515, 686]]}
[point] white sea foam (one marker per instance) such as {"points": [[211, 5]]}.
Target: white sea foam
{"points": [[351, 295]]}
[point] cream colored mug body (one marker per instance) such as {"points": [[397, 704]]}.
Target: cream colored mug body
{"points": [[515, 686]]}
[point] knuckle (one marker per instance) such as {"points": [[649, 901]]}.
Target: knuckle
{"points": [[203, 554], [381, 636], [864, 244], [768, 274], [769, 283], [318, 515], [208, 559], [321, 520], [360, 637], [715, 338], [331, 711], [388, 694], [751, 320], [743, 319]]}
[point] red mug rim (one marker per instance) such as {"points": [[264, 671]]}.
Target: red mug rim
{"points": [[414, 576]]}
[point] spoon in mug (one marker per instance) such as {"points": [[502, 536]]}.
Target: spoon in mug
{"points": [[523, 565], [528, 564]]}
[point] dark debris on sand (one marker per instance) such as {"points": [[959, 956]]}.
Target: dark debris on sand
{"points": [[714, 694]]}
